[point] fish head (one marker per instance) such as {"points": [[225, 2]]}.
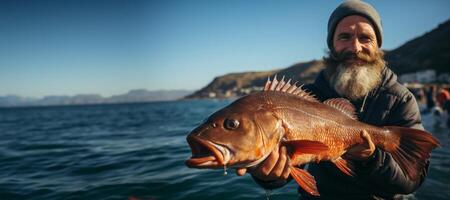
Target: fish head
{"points": [[239, 135]]}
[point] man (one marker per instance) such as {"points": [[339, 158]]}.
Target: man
{"points": [[355, 70]]}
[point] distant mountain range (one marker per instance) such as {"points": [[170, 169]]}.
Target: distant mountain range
{"points": [[133, 96], [429, 51]]}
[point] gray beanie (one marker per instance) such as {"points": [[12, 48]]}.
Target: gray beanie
{"points": [[354, 7]]}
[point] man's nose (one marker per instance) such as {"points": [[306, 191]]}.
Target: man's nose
{"points": [[355, 46]]}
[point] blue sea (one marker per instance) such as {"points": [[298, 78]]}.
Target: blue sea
{"points": [[131, 151]]}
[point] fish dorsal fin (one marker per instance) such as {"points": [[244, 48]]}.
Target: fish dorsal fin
{"points": [[343, 105], [286, 86]]}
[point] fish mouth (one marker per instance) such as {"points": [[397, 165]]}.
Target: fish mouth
{"points": [[207, 154]]}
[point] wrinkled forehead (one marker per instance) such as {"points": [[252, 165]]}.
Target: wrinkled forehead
{"points": [[355, 22]]}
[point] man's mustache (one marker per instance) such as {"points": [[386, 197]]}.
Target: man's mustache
{"points": [[344, 56]]}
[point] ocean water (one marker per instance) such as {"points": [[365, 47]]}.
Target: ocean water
{"points": [[136, 150]]}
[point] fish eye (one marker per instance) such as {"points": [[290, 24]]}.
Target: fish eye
{"points": [[231, 124]]}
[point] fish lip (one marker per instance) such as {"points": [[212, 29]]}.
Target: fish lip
{"points": [[220, 153]]}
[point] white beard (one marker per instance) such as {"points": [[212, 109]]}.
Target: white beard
{"points": [[355, 82]]}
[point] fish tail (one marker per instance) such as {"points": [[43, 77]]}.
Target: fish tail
{"points": [[413, 150]]}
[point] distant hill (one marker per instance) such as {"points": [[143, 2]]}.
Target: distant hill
{"points": [[237, 84], [430, 51], [133, 96], [14, 100], [230, 84]]}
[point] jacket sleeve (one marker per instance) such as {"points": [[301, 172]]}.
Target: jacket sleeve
{"points": [[381, 171]]}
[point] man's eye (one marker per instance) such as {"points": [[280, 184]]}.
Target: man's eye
{"points": [[365, 39], [344, 37]]}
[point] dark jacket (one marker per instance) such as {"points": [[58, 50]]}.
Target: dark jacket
{"points": [[380, 177]]}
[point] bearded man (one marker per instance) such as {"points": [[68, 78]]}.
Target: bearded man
{"points": [[355, 70]]}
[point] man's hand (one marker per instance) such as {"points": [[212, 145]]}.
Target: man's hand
{"points": [[274, 167], [361, 151]]}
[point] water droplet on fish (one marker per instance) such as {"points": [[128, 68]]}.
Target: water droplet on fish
{"points": [[225, 170], [268, 193]]}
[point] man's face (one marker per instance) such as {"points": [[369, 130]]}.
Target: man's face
{"points": [[354, 67], [355, 34]]}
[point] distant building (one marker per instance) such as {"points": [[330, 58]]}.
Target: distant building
{"points": [[444, 78], [229, 93], [426, 76], [212, 95]]}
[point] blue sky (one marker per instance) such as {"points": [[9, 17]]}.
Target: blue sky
{"points": [[67, 47]]}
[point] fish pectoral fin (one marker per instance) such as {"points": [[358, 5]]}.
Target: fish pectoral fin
{"points": [[305, 180], [345, 166], [306, 147]]}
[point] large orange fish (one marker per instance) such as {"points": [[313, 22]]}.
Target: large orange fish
{"points": [[245, 132]]}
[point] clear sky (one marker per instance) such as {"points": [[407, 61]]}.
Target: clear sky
{"points": [[111, 46]]}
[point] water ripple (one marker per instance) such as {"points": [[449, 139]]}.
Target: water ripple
{"points": [[135, 150]]}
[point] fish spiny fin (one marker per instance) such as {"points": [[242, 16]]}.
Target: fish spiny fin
{"points": [[414, 150], [345, 166], [305, 180], [283, 86], [273, 84], [286, 86], [292, 88], [267, 85], [343, 105], [280, 84]]}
